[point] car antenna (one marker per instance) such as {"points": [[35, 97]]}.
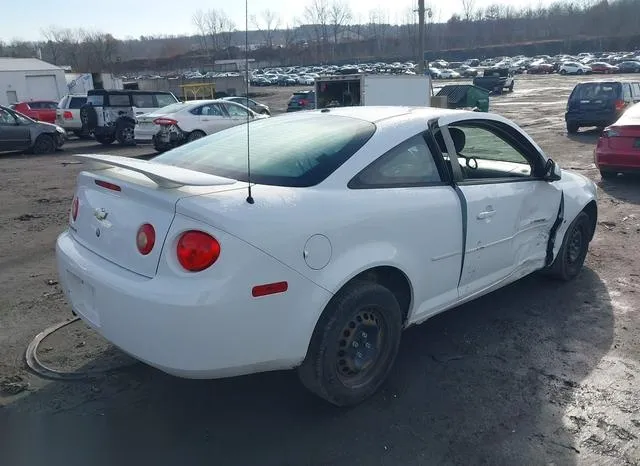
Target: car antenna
{"points": [[246, 78]]}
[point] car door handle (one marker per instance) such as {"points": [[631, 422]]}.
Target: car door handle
{"points": [[139, 113], [486, 214]]}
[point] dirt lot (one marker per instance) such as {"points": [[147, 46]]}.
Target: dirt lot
{"points": [[537, 373]]}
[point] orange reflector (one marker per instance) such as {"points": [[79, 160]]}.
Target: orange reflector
{"points": [[269, 288], [107, 185]]}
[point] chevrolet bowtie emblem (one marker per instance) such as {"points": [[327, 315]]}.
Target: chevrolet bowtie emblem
{"points": [[100, 214]]}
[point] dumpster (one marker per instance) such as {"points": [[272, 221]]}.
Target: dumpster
{"points": [[466, 96]]}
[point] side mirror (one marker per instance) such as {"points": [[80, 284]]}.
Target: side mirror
{"points": [[552, 171]]}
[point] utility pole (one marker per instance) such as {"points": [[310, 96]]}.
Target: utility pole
{"points": [[421, 37]]}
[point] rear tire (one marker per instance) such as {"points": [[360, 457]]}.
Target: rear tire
{"points": [[125, 133], [44, 145], [354, 344], [572, 128], [573, 252], [195, 135], [563, 72]]}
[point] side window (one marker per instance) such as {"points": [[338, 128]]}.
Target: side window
{"points": [[484, 154], [165, 99], [408, 164], [210, 110], [636, 90], [34, 105], [143, 100], [235, 111], [626, 92], [119, 100], [6, 118]]}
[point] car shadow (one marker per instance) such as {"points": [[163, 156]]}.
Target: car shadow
{"points": [[486, 383], [624, 187], [587, 136]]}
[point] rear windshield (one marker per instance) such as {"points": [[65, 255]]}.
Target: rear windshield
{"points": [[119, 100], [284, 151], [77, 102], [96, 100], [589, 91]]}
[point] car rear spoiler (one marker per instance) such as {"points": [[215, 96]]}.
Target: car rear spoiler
{"points": [[165, 176]]}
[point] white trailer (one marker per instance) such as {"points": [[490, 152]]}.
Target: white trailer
{"points": [[366, 89], [80, 83]]}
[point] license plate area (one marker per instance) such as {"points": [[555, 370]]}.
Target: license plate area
{"points": [[82, 297]]}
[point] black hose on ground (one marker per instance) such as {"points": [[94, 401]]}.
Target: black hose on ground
{"points": [[34, 363]]}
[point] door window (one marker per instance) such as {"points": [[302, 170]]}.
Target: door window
{"points": [[165, 99], [636, 90], [484, 154], [143, 100], [626, 92], [408, 164], [235, 111], [209, 110], [6, 118]]}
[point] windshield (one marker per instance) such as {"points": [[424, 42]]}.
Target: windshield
{"points": [[591, 91], [285, 151]]}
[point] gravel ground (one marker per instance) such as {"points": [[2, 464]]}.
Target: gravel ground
{"points": [[536, 373]]}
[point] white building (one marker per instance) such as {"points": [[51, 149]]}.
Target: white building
{"points": [[24, 79]]}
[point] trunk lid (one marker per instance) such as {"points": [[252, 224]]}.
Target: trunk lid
{"points": [[114, 203], [595, 96]]}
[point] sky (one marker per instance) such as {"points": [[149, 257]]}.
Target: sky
{"points": [[133, 18]]}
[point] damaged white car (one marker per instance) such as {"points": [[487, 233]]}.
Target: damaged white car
{"points": [[184, 122], [359, 223]]}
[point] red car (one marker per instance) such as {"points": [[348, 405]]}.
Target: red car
{"points": [[39, 110], [603, 67], [618, 148]]}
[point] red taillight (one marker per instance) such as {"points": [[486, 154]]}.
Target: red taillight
{"points": [[165, 121], [75, 206], [269, 288], [619, 104], [107, 185], [146, 238], [197, 250], [68, 115]]}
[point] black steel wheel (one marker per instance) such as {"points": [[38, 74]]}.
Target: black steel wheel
{"points": [[575, 246], [354, 344], [45, 144]]}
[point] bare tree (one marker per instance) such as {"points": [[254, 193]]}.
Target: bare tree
{"points": [[214, 20], [267, 24], [468, 7], [339, 16], [228, 29], [200, 22], [317, 13]]}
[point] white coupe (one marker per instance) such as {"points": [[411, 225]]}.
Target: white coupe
{"points": [[184, 122], [360, 222]]}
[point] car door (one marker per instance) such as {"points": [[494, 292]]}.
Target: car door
{"points": [[212, 118], [418, 215], [509, 208], [14, 135]]}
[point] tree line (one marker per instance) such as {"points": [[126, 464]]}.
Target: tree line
{"points": [[329, 31]]}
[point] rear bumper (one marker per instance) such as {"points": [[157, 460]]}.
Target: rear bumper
{"points": [[621, 161], [591, 118], [193, 327]]}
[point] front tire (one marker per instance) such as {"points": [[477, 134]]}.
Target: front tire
{"points": [[608, 175], [575, 246], [45, 144], [354, 344]]}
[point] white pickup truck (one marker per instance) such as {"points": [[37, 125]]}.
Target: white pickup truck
{"points": [[68, 114]]}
